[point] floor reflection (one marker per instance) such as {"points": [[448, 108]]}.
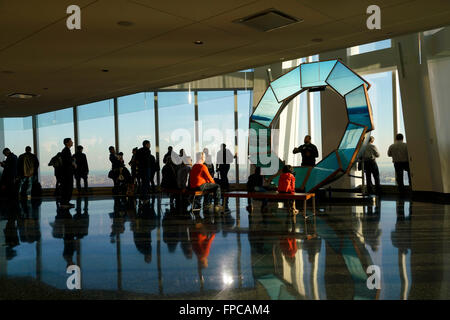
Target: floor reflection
{"points": [[156, 248]]}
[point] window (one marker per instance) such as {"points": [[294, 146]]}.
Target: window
{"points": [[52, 128], [96, 134], [18, 134], [176, 122], [368, 47], [216, 124], [244, 111], [136, 122], [380, 94]]}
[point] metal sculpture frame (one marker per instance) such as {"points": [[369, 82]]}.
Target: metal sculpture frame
{"points": [[316, 76]]}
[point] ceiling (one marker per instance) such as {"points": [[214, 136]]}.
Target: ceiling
{"points": [[39, 55]]}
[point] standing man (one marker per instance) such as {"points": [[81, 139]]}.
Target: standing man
{"points": [[82, 169], [224, 159], [147, 167], [67, 174], [27, 169], [399, 153], [8, 180], [115, 165], [371, 167], [309, 152]]}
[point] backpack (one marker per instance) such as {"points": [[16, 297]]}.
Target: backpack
{"points": [[56, 161], [28, 166]]}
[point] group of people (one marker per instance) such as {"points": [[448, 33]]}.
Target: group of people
{"points": [[19, 173]]}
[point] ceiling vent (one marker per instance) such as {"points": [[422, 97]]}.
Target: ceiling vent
{"points": [[268, 20]]}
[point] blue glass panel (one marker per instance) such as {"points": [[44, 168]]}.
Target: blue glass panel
{"points": [[267, 108], [357, 107], [343, 80], [255, 147], [348, 145], [286, 85], [322, 171], [314, 74]]}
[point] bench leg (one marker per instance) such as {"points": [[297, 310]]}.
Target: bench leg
{"points": [[304, 209], [314, 205]]}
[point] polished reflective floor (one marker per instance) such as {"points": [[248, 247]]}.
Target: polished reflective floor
{"points": [[155, 250]]}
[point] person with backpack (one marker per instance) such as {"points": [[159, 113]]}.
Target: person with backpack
{"points": [[82, 169], [56, 163], [27, 170], [147, 167]]}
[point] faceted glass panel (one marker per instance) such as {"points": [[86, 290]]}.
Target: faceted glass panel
{"points": [[343, 80], [286, 85], [349, 142], [322, 171], [314, 74], [267, 108], [357, 107], [300, 175]]}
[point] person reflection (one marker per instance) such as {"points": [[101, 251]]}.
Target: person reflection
{"points": [[81, 219], [142, 226], [118, 219], [170, 229], [10, 232], [28, 223], [62, 228], [201, 239], [370, 225]]}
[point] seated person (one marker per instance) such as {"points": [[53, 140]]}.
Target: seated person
{"points": [[169, 175], [286, 184], [201, 179], [255, 184], [183, 171]]}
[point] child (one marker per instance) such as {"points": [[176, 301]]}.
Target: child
{"points": [[286, 184]]}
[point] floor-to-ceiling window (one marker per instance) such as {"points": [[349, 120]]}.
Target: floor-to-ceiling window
{"points": [[216, 124], [176, 121], [380, 94], [18, 133], [244, 99], [96, 134], [52, 128], [136, 122]]}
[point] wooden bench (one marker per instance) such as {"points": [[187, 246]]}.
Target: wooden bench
{"points": [[273, 195]]}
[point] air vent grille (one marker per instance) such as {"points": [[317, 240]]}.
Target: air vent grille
{"points": [[268, 20]]}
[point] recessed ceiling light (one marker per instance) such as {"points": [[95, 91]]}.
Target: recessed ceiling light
{"points": [[18, 95], [198, 42], [125, 23], [105, 70]]}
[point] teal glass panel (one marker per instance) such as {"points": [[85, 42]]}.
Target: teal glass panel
{"points": [[286, 85], [322, 171], [314, 74], [357, 107], [256, 148], [267, 108], [349, 143], [300, 175], [343, 80]]}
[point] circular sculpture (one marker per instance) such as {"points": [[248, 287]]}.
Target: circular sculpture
{"points": [[307, 76]]}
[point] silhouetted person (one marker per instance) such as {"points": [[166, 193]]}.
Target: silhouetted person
{"points": [[171, 155], [9, 175], [82, 169], [371, 167], [399, 153], [308, 151], [115, 165], [208, 162], [224, 159], [183, 171], [147, 167], [56, 163], [27, 171], [67, 171], [169, 175], [255, 184]]}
